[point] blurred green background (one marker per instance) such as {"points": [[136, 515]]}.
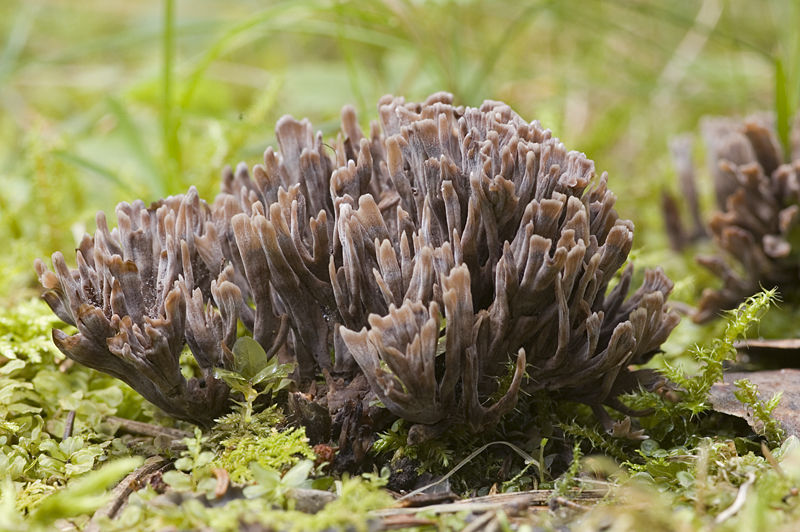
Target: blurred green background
{"points": [[104, 101]]}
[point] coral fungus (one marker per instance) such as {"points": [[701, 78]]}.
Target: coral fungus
{"points": [[758, 197], [412, 264]]}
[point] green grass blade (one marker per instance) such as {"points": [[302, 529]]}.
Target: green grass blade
{"points": [[95, 168], [782, 112], [17, 39], [491, 57], [136, 38], [170, 120], [349, 59], [225, 41], [133, 138]]}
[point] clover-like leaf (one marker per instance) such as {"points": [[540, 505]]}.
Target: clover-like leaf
{"points": [[52, 448], [81, 462], [71, 445]]}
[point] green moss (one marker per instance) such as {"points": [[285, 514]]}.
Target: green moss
{"points": [[44, 505], [36, 397], [766, 425], [596, 438], [350, 511], [433, 455], [567, 480], [684, 418], [278, 450], [25, 333], [695, 489]]}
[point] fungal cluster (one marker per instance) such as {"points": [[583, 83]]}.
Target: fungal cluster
{"points": [[758, 218], [417, 265]]}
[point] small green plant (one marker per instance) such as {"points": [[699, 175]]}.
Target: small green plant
{"points": [[275, 449], [356, 498], [568, 479], [739, 321], [253, 374], [432, 455], [231, 425], [36, 398], [766, 426], [596, 438], [72, 457], [676, 420], [273, 486], [25, 333], [193, 469], [83, 496], [676, 427], [235, 448]]}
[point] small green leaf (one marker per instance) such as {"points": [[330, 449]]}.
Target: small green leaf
{"points": [[249, 357], [22, 408], [11, 366], [50, 464], [184, 464], [230, 377], [686, 479], [12, 467], [71, 445], [207, 485], [236, 382], [283, 384], [71, 401], [297, 474], [322, 483], [272, 372], [52, 448], [178, 480], [80, 463], [269, 371], [204, 459], [265, 476], [255, 491]]}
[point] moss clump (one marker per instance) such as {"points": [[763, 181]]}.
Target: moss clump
{"points": [[357, 496], [25, 333], [278, 450], [36, 399]]}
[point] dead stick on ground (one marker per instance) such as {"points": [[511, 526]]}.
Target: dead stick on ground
{"points": [[68, 424], [738, 502], [570, 504], [502, 501], [120, 494], [481, 523], [148, 429]]}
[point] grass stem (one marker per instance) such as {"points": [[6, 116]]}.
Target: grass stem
{"points": [[170, 119]]}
